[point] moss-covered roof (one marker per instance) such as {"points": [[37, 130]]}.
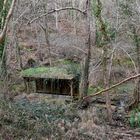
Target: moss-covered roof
{"points": [[56, 72]]}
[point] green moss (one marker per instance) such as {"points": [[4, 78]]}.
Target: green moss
{"points": [[32, 71], [41, 70], [68, 70]]}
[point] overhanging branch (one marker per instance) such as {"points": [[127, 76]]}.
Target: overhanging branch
{"points": [[113, 86], [57, 10]]}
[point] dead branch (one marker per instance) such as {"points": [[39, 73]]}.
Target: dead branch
{"points": [[57, 10], [113, 86], [3, 33]]}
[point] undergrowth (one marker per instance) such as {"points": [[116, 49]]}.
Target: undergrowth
{"points": [[40, 121], [126, 88], [93, 89], [25, 120], [135, 118]]}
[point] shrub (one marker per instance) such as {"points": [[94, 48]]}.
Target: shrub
{"points": [[135, 118]]}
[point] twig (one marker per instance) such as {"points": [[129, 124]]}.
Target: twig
{"points": [[113, 86]]}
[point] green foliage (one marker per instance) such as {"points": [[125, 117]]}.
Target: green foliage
{"points": [[111, 33], [3, 14], [126, 61], [132, 33], [126, 88], [103, 28], [137, 41], [92, 89], [131, 14], [127, 8], [1, 5], [96, 8], [17, 88], [2, 48], [74, 69], [135, 118]]}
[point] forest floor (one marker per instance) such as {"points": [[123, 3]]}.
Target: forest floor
{"points": [[38, 116]]}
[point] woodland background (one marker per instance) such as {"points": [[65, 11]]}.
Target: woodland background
{"points": [[103, 36]]}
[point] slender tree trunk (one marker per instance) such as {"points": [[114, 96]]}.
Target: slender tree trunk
{"points": [[74, 16], [3, 69], [6, 20], [56, 16], [18, 51], [85, 71], [4, 13], [8, 17], [46, 31], [105, 39], [137, 88], [4, 24], [106, 83]]}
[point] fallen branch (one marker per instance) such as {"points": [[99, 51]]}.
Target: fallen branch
{"points": [[113, 86]]}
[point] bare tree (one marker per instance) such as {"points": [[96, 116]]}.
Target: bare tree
{"points": [[4, 24], [137, 88], [130, 12], [85, 68], [104, 41], [4, 29]]}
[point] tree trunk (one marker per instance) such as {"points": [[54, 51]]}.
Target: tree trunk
{"points": [[56, 16], [74, 16], [3, 69], [105, 40], [46, 31], [8, 17], [4, 11], [18, 50], [6, 20], [106, 83], [85, 71], [137, 88]]}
